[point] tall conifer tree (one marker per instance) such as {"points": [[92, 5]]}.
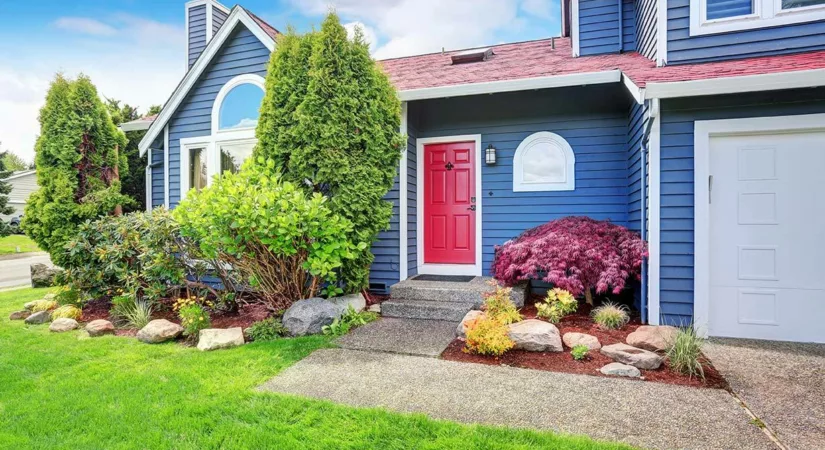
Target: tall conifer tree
{"points": [[5, 189]]}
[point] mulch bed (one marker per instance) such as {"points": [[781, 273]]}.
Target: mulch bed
{"points": [[564, 362]]}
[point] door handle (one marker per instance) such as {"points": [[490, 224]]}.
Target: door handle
{"points": [[472, 208]]}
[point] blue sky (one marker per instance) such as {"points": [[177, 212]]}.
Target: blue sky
{"points": [[134, 49]]}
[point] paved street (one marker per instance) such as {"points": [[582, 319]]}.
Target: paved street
{"points": [[14, 269]]}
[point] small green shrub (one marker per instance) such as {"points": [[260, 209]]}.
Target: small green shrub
{"points": [[130, 312], [266, 330], [580, 352], [193, 319], [558, 304], [487, 336], [68, 296], [499, 306], [685, 353], [67, 312], [44, 305], [611, 316], [351, 319]]}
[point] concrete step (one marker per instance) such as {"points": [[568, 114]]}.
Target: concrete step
{"points": [[424, 309], [471, 292]]}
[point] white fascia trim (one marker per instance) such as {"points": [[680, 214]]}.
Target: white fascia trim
{"points": [[247, 78], [402, 200], [148, 181], [166, 166], [732, 85], [574, 26], [237, 15], [704, 130], [654, 216], [447, 269], [636, 92], [524, 84], [136, 125], [20, 174], [661, 33]]}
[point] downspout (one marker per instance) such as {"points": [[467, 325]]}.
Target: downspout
{"points": [[621, 26], [643, 151]]}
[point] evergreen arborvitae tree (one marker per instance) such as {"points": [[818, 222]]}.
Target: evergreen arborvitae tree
{"points": [[5, 189], [78, 164], [330, 118]]}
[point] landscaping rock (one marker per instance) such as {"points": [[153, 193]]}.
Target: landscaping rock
{"points": [[100, 327], [159, 330], [63, 324], [653, 338], [620, 370], [29, 305], [39, 318], [535, 336], [357, 301], [43, 275], [215, 339], [461, 330], [636, 357], [19, 315], [573, 339], [376, 308], [50, 296], [310, 315]]}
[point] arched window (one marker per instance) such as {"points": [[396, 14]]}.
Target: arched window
{"points": [[544, 162], [238, 104]]}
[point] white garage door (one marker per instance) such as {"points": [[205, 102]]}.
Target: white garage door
{"points": [[767, 237]]}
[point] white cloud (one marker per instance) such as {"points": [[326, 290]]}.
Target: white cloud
{"points": [[85, 25], [369, 34]]}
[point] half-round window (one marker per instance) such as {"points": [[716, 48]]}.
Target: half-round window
{"points": [[544, 162], [240, 107]]}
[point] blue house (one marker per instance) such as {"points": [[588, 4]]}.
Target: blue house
{"points": [[699, 124]]}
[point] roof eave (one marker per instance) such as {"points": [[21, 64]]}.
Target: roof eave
{"points": [[736, 85]]}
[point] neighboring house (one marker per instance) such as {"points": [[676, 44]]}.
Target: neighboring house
{"points": [[698, 123], [23, 183]]}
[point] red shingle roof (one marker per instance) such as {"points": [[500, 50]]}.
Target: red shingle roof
{"points": [[268, 29], [538, 59]]}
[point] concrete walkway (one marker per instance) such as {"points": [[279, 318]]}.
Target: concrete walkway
{"points": [[14, 269], [649, 415], [405, 336], [782, 383]]}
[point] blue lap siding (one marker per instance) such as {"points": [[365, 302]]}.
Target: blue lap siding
{"points": [[218, 18], [646, 28], [599, 22], [196, 34], [677, 125]]}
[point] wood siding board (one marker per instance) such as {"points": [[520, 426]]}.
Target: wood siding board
{"points": [[196, 33]]}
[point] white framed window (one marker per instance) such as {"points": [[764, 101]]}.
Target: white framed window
{"points": [[544, 161], [234, 118], [722, 16]]}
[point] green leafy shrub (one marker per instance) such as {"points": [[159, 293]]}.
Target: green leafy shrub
{"points": [[67, 312], [580, 352], [129, 312], [330, 119], [286, 243], [499, 306], [193, 319], [68, 296], [556, 305], [44, 305], [133, 253], [611, 316], [685, 352], [487, 336], [266, 330], [349, 320]]}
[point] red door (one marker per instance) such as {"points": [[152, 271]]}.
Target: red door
{"points": [[449, 203]]}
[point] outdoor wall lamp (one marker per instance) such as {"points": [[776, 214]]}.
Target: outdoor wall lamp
{"points": [[490, 155]]}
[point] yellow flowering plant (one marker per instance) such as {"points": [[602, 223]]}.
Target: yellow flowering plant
{"points": [[193, 319]]}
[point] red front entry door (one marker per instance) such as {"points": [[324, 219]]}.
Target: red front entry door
{"points": [[449, 203]]}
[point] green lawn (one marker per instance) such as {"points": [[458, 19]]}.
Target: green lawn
{"points": [[58, 391], [10, 243]]}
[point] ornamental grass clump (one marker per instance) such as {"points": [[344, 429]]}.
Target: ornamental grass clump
{"points": [[611, 316], [67, 312], [556, 305], [487, 336], [131, 313], [577, 254], [44, 305], [685, 353], [499, 306]]}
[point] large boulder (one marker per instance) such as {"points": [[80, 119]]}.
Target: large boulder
{"points": [[653, 338], [100, 327], [357, 301], [215, 339], [159, 330], [39, 318], [63, 324], [310, 315], [43, 275], [19, 315], [573, 339], [461, 330], [620, 370], [535, 336], [636, 357]]}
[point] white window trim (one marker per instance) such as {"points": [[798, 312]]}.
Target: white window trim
{"points": [[447, 269], [247, 78], [569, 183], [704, 130], [766, 13]]}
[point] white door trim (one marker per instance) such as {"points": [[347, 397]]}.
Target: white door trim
{"points": [[447, 269], [704, 130], [402, 199]]}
